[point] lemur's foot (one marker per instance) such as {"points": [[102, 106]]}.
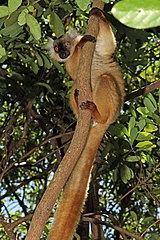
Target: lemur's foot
{"points": [[88, 105]]}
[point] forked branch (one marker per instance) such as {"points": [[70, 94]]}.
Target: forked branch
{"points": [[71, 157]]}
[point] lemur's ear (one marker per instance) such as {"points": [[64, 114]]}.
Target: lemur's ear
{"points": [[73, 33]]}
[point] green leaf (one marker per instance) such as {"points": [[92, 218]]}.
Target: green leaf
{"points": [[134, 216], [131, 173], [46, 86], [39, 59], [133, 134], [141, 124], [138, 14], [12, 18], [150, 128], [56, 24], [143, 110], [115, 129], [22, 57], [149, 105], [30, 8], [47, 63], [13, 5], [131, 123], [4, 11], [145, 136], [156, 118], [150, 96], [34, 26], [159, 100], [58, 66], [146, 145], [133, 159], [115, 175], [12, 30], [83, 4], [22, 17], [126, 173], [25, 58], [35, 67], [66, 7], [2, 51], [125, 131]]}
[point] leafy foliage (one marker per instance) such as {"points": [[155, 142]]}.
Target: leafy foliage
{"points": [[138, 14], [36, 122]]}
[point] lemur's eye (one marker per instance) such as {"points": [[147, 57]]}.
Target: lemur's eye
{"points": [[67, 44], [56, 49]]}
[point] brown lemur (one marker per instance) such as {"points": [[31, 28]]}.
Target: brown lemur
{"points": [[107, 93]]}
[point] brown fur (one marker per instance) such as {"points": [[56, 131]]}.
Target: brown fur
{"points": [[108, 93]]}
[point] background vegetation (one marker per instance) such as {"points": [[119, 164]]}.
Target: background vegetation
{"points": [[36, 122]]}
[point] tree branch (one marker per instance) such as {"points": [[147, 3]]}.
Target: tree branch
{"points": [[9, 227], [149, 88], [117, 228], [76, 147]]}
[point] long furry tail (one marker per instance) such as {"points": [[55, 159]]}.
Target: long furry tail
{"points": [[70, 206]]}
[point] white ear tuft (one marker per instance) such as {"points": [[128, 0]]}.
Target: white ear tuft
{"points": [[73, 33]]}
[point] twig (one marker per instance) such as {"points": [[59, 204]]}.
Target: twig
{"points": [[138, 184], [44, 142], [15, 146], [143, 184], [117, 228], [9, 227], [5, 170], [146, 230]]}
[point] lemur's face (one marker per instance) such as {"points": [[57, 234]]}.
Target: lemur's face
{"points": [[62, 48]]}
